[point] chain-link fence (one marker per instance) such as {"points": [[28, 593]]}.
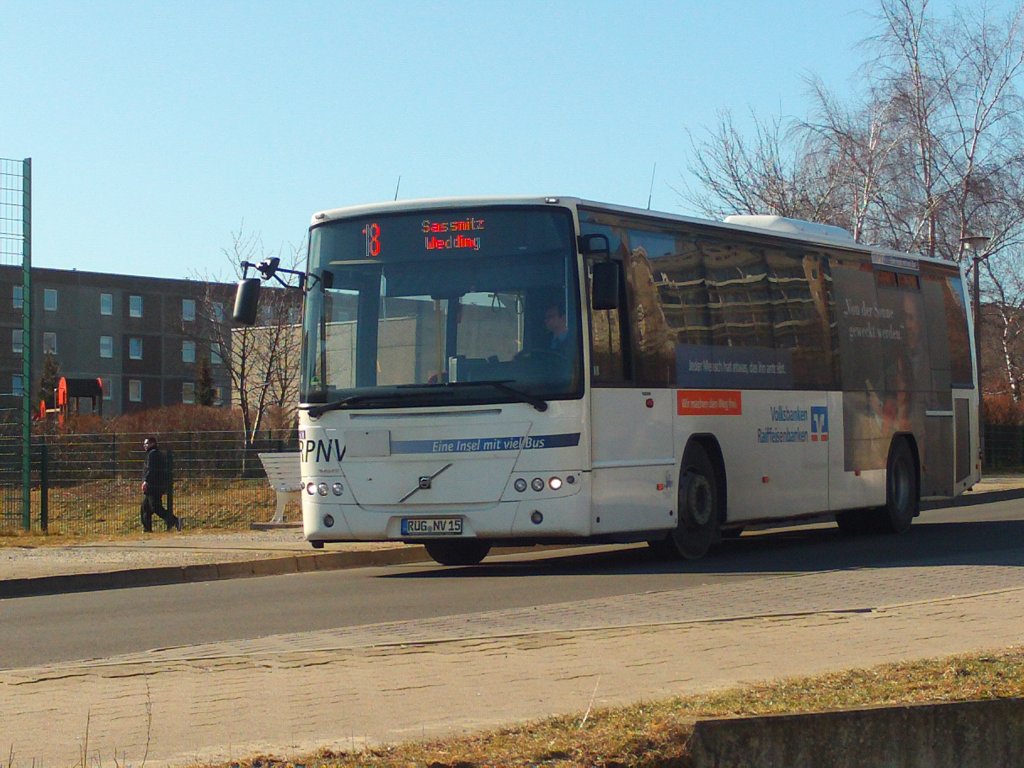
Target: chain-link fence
{"points": [[16, 369], [91, 484], [1004, 448]]}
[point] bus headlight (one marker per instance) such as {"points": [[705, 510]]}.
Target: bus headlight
{"points": [[519, 484], [311, 488], [322, 489], [338, 489], [555, 483], [537, 484]]}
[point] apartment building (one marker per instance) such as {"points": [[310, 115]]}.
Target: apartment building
{"points": [[141, 336]]}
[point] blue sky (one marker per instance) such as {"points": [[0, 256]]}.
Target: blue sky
{"points": [[159, 129]]}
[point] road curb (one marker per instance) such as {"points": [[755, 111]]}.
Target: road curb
{"points": [[181, 574]]}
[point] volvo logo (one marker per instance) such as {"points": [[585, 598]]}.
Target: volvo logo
{"points": [[424, 483]]}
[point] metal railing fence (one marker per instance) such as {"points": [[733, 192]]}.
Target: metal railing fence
{"points": [[91, 484]]}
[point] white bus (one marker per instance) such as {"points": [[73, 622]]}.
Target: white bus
{"points": [[481, 372]]}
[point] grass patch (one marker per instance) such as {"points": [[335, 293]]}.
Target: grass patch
{"points": [[655, 734], [103, 509]]}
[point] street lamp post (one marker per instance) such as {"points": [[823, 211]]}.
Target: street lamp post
{"points": [[975, 245]]}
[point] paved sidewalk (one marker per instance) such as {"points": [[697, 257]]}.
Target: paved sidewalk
{"points": [[286, 694], [289, 694]]}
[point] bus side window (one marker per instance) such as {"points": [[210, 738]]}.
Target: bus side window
{"points": [[653, 341]]}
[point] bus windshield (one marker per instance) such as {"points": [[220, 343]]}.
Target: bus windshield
{"points": [[442, 306]]}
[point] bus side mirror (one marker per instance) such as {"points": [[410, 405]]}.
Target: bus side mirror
{"points": [[604, 285], [247, 296]]}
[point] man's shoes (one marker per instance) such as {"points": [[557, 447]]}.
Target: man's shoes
{"points": [[177, 523], [174, 525]]}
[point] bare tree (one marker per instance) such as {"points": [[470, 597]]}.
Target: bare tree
{"points": [[915, 162], [261, 362], [775, 172]]}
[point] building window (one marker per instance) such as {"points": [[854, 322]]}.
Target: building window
{"points": [[135, 390], [188, 351], [218, 312], [188, 392], [188, 310], [215, 358], [50, 299], [106, 347], [17, 345], [49, 343], [106, 303], [135, 348], [135, 306], [17, 384], [18, 296], [105, 385], [218, 399]]}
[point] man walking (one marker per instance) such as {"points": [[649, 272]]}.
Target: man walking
{"points": [[154, 486]]}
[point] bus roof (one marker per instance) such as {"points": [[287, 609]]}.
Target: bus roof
{"points": [[779, 226]]}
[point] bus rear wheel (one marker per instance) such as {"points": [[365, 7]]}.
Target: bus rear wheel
{"points": [[699, 506], [902, 494], [902, 497], [461, 552]]}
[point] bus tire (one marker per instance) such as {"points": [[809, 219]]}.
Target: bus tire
{"points": [[460, 552], [700, 509], [902, 491]]}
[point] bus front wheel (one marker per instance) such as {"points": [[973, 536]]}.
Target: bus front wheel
{"points": [[460, 552], [699, 505]]}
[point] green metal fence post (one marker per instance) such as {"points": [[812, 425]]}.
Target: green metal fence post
{"points": [[44, 488], [26, 337], [170, 483]]}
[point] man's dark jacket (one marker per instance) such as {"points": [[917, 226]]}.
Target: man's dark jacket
{"points": [[155, 475]]}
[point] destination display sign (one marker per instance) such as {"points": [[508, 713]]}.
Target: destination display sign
{"points": [[444, 233]]}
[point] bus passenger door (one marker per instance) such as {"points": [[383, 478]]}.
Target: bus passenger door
{"points": [[631, 429]]}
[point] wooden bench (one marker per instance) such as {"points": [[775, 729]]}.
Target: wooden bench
{"points": [[285, 478]]}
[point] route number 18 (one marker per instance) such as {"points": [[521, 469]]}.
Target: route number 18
{"points": [[372, 233]]}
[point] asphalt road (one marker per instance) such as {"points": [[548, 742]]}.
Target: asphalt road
{"points": [[87, 625]]}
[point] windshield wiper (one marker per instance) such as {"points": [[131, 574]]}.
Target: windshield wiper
{"points": [[316, 411], [502, 386]]}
